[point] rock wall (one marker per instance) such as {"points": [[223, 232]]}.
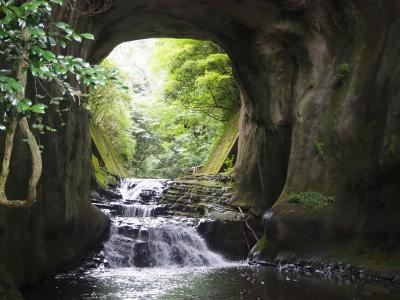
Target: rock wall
{"points": [[225, 148], [207, 197], [60, 229], [106, 163], [320, 109], [306, 124]]}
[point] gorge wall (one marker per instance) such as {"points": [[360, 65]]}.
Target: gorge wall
{"points": [[320, 112]]}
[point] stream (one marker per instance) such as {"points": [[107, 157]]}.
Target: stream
{"points": [[152, 255]]}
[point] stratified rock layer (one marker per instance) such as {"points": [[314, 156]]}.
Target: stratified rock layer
{"points": [[320, 112]]}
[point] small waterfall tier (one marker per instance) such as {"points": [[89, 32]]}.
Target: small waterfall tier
{"points": [[141, 237]]}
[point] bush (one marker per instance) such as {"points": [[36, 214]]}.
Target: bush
{"points": [[311, 199]]}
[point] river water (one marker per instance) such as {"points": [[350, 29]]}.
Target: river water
{"points": [[149, 255]]}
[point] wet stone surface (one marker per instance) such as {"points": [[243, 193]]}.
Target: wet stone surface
{"points": [[153, 252]]}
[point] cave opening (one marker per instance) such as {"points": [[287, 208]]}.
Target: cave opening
{"points": [[178, 115], [318, 147]]}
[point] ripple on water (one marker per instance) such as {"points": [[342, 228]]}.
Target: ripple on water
{"points": [[167, 242], [230, 282]]}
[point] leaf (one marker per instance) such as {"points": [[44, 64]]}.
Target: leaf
{"points": [[59, 2], [48, 55], [77, 37], [23, 106], [61, 25], [52, 41], [87, 36], [38, 108]]}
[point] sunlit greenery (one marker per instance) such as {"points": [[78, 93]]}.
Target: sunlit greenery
{"points": [[111, 110], [164, 132], [199, 77], [183, 124], [170, 139]]}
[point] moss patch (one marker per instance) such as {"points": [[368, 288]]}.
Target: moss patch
{"points": [[320, 148], [101, 176], [262, 244], [224, 146], [358, 254], [105, 160], [241, 203], [311, 199]]}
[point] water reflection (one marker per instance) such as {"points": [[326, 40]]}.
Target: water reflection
{"points": [[182, 267], [230, 282]]}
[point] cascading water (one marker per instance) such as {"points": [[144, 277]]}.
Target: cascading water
{"points": [[151, 255], [141, 238]]}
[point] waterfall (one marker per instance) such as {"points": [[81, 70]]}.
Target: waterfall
{"points": [[140, 238]]}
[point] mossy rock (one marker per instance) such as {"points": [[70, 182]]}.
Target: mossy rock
{"points": [[262, 244], [223, 148], [311, 199], [105, 160]]}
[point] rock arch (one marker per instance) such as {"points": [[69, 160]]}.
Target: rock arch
{"points": [[304, 125]]}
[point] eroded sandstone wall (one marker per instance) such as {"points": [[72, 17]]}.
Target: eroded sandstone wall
{"points": [[62, 226], [320, 108], [301, 128]]}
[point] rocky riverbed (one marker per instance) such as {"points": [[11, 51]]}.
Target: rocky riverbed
{"points": [[205, 199]]}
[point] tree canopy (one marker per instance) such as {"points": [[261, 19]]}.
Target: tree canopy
{"points": [[173, 113], [178, 128], [199, 77]]}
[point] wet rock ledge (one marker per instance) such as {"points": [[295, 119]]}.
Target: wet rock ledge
{"points": [[207, 197]]}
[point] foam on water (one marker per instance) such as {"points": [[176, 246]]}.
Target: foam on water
{"points": [[141, 239]]}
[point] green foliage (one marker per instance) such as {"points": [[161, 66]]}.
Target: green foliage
{"points": [[311, 199], [221, 149], [177, 130], [165, 135], [229, 165], [199, 77], [99, 173], [321, 150], [169, 139], [343, 72], [27, 35], [111, 111]]}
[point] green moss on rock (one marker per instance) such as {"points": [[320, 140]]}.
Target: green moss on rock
{"points": [[224, 146], [100, 175], [356, 253], [262, 244], [105, 161], [311, 199]]}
